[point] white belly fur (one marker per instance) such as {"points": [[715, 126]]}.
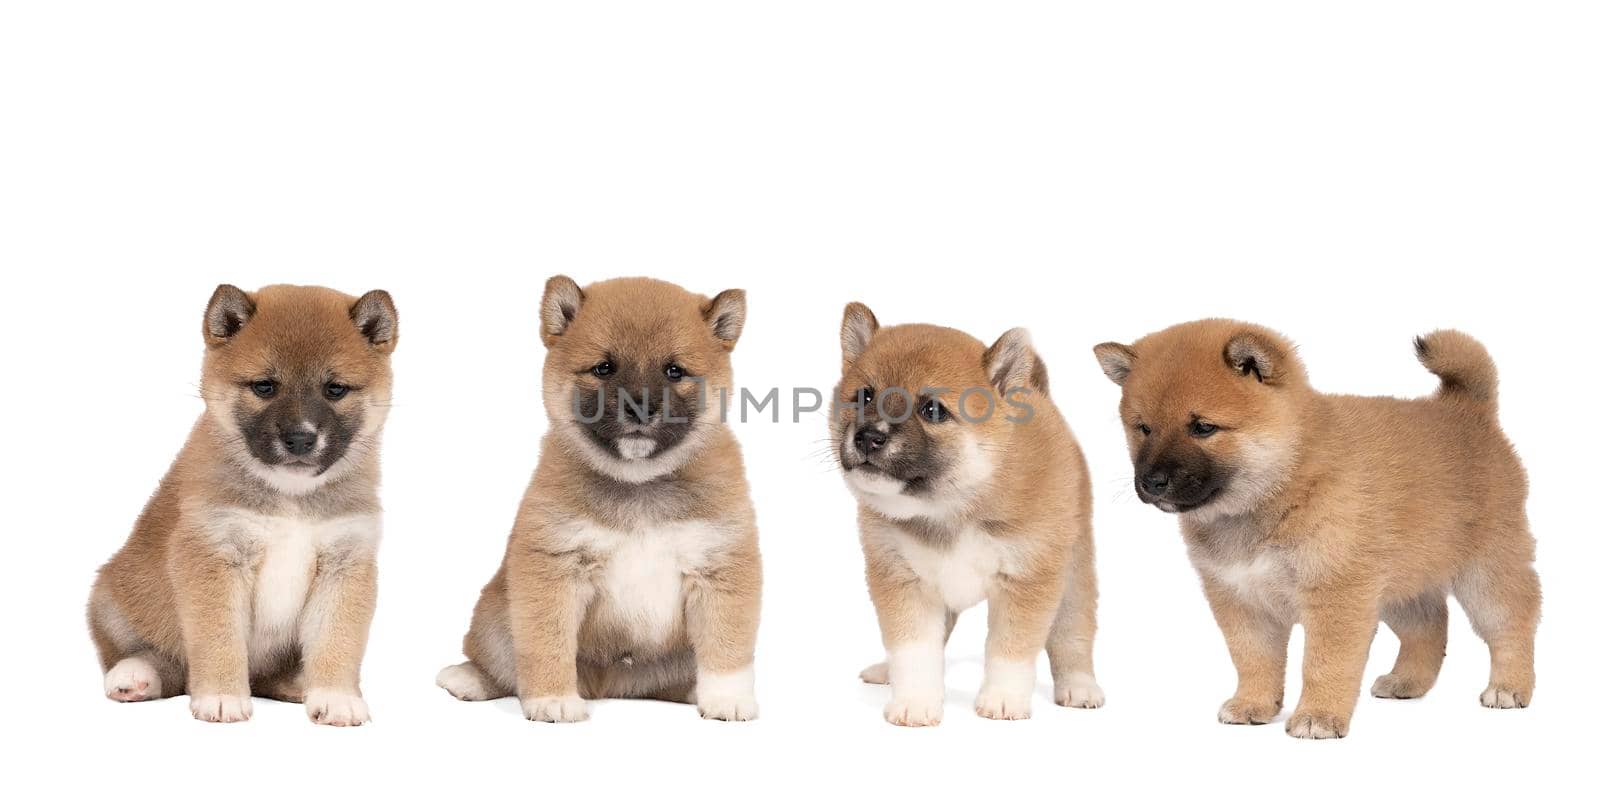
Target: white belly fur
{"points": [[962, 573], [287, 548], [640, 581]]}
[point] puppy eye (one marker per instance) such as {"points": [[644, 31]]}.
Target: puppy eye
{"points": [[933, 411], [864, 395], [674, 373], [1201, 430], [603, 369], [264, 388], [1142, 428], [334, 391]]}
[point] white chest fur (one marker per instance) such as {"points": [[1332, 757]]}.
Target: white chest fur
{"points": [[284, 551], [640, 574], [962, 572], [1264, 580]]}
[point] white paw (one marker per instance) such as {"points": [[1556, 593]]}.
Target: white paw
{"points": [[220, 707], [1314, 725], [336, 707], [564, 708], [1007, 691], [915, 711], [1497, 696], [465, 682], [133, 679], [877, 674], [1079, 690], [729, 696]]}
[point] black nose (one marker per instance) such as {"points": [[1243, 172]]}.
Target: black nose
{"points": [[636, 406], [1154, 482], [869, 440], [299, 443]]}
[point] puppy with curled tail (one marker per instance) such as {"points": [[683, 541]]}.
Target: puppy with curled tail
{"points": [[1335, 512]]}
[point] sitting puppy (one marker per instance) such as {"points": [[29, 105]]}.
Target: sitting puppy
{"points": [[1333, 511], [632, 569], [970, 488], [251, 570]]}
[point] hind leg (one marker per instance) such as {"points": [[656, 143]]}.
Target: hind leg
{"points": [[467, 681], [1502, 601], [144, 675], [1071, 642], [1422, 624]]}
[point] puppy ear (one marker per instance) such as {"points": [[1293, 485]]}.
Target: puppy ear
{"points": [[1011, 362], [725, 314], [1116, 360], [376, 318], [562, 299], [856, 331], [1249, 353], [227, 312]]}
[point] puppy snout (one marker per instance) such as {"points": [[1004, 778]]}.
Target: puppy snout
{"points": [[1155, 482], [870, 441], [299, 443]]}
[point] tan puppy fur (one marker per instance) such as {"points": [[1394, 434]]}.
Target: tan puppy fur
{"points": [[251, 571], [632, 569], [971, 488], [1335, 512]]}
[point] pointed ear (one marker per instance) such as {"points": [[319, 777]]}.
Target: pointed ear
{"points": [[562, 299], [1116, 360], [1252, 354], [725, 314], [1011, 362], [856, 332], [376, 318], [227, 312]]}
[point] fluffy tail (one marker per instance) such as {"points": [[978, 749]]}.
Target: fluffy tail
{"points": [[1462, 364]]}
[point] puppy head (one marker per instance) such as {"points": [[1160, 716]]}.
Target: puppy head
{"points": [[921, 412], [637, 371], [1211, 410], [298, 379]]}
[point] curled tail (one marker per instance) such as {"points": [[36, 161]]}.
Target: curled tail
{"points": [[1463, 365]]}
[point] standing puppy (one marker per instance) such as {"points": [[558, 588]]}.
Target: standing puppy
{"points": [[1333, 511], [632, 569], [251, 569], [971, 488]]}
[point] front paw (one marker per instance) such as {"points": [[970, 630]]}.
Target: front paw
{"points": [[336, 707], [220, 707], [555, 708], [918, 711], [1079, 690], [1317, 725], [999, 703], [877, 674], [1502, 696], [1244, 711], [729, 708]]}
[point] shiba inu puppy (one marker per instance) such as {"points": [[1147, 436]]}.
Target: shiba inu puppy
{"points": [[632, 568], [1333, 511], [971, 488], [251, 570]]}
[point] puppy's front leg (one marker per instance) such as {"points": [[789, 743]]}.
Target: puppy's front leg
{"points": [[722, 611], [333, 636], [912, 620], [546, 603], [1258, 641], [1020, 614], [1339, 628], [213, 613]]}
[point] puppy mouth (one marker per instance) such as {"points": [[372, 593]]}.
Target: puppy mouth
{"points": [[1176, 507]]}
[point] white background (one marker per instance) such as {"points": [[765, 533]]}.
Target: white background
{"points": [[1351, 173]]}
